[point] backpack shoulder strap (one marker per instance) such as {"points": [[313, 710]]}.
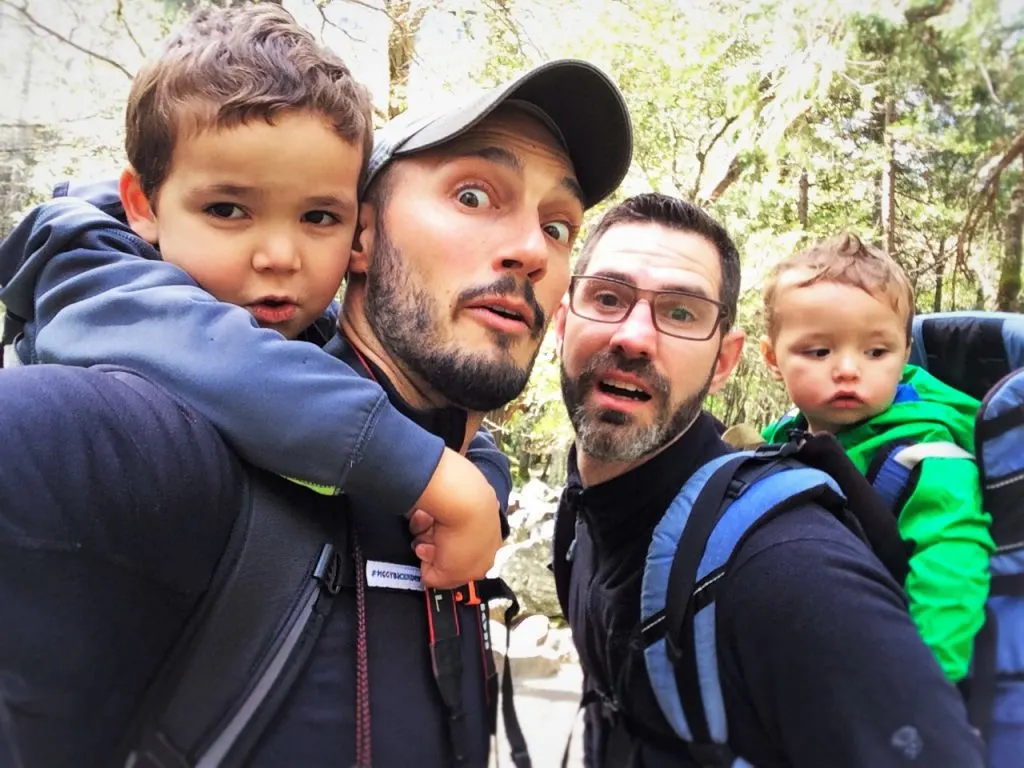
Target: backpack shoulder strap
{"points": [[249, 636], [894, 477], [562, 547], [689, 553]]}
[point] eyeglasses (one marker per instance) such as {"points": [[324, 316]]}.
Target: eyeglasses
{"points": [[674, 313]]}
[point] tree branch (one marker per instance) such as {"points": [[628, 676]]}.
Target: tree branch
{"points": [[985, 199], [702, 155], [119, 13], [925, 12], [67, 41], [988, 83], [735, 168], [373, 8], [321, 6], [501, 11]]}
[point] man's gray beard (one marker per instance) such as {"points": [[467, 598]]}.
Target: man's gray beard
{"points": [[406, 320], [608, 435]]}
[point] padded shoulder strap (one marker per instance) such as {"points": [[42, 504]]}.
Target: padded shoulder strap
{"points": [[689, 552], [892, 480], [247, 639]]}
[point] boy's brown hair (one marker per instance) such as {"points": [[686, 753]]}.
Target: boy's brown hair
{"points": [[846, 260], [227, 66]]}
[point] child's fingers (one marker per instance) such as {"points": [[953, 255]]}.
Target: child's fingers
{"points": [[425, 551], [420, 522]]}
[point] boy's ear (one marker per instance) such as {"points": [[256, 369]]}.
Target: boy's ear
{"points": [[768, 353], [137, 208], [728, 357], [362, 241]]}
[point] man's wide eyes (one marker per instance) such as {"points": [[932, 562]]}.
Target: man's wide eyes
{"points": [[473, 197]]}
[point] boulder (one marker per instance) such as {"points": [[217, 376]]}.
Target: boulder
{"points": [[527, 652], [524, 567]]}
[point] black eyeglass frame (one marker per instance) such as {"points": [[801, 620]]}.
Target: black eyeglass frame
{"points": [[651, 296]]}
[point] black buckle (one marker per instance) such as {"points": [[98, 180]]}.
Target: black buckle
{"points": [[779, 450]]}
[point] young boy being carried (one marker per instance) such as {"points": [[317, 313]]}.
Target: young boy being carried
{"points": [[247, 142], [839, 318]]}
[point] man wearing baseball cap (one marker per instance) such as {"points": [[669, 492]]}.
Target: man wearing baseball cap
{"points": [[460, 258]]}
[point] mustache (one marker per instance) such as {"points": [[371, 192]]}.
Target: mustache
{"points": [[507, 285], [612, 360]]}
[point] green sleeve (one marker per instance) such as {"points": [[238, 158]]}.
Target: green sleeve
{"points": [[949, 570]]}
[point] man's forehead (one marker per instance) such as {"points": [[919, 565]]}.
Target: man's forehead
{"points": [[656, 253], [512, 138]]}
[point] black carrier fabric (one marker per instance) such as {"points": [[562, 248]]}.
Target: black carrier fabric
{"points": [[249, 637], [966, 352]]}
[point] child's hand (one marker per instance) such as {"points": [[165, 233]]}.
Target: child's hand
{"points": [[456, 528], [421, 526]]}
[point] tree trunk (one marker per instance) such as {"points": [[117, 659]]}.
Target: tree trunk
{"points": [[405, 24], [940, 271], [888, 213], [1008, 294], [801, 205]]}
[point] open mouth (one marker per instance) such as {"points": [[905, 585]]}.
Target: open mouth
{"points": [[621, 389], [504, 312]]}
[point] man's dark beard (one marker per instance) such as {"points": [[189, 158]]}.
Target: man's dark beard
{"points": [[608, 435], [406, 320]]}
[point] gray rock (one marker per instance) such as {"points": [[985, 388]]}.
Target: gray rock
{"points": [[524, 567]]}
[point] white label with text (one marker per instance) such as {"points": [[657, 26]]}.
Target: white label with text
{"points": [[381, 575]]}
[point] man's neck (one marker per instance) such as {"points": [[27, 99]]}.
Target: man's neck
{"points": [[595, 471], [352, 324]]}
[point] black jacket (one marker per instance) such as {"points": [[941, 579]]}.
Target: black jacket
{"points": [[819, 661]]}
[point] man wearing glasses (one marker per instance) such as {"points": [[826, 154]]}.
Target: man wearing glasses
{"points": [[819, 662]]}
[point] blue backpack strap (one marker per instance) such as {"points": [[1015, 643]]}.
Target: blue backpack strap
{"points": [[689, 553], [895, 477]]}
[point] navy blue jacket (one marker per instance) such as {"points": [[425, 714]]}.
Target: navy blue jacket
{"points": [[820, 663], [116, 501], [90, 291]]}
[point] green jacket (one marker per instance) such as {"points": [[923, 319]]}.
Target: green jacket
{"points": [[949, 577]]}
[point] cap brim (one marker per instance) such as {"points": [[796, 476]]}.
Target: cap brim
{"points": [[581, 102]]}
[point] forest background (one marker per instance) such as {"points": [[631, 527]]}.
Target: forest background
{"points": [[788, 120]]}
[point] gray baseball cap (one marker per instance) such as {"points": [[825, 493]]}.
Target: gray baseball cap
{"points": [[578, 102]]}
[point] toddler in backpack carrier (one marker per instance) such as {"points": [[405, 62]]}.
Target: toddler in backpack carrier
{"points": [[839, 337], [901, 395]]}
